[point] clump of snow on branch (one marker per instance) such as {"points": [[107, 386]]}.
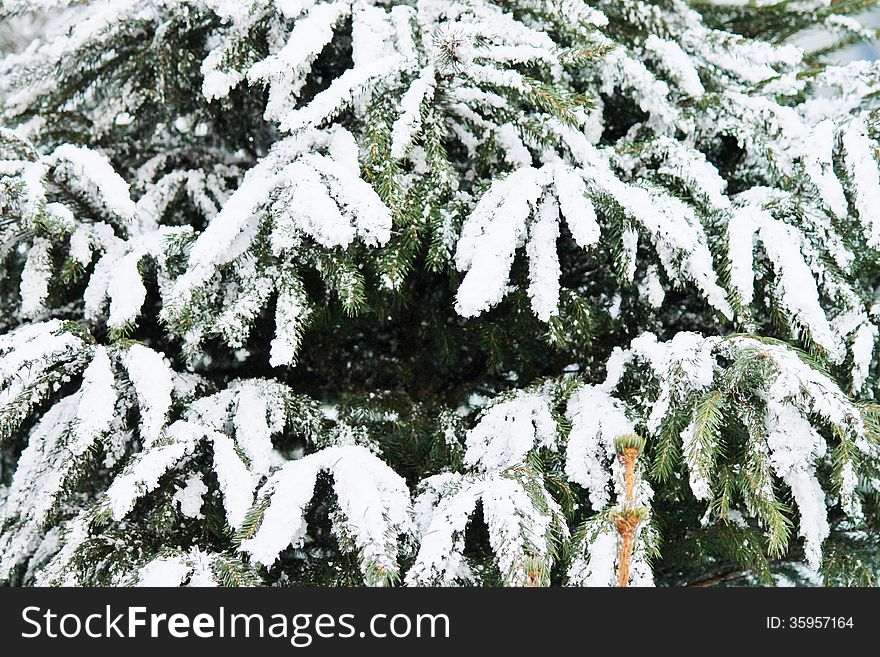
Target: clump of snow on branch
{"points": [[373, 502]]}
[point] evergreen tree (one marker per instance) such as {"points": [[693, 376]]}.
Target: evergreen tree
{"points": [[435, 292]]}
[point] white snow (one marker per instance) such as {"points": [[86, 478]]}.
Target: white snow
{"points": [[163, 571], [286, 71], [291, 312], [741, 230], [126, 291], [861, 165], [341, 93], [409, 122], [153, 382], [818, 152], [576, 206], [544, 268], [191, 496], [42, 470], [518, 527], [509, 430], [142, 474], [677, 63], [373, 501], [97, 404], [864, 345], [252, 431], [489, 239], [794, 445], [442, 511], [653, 287], [93, 174], [515, 151], [35, 277], [695, 457], [237, 482], [597, 566], [596, 420], [796, 287]]}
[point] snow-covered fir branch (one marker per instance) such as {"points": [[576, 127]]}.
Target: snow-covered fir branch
{"points": [[370, 292]]}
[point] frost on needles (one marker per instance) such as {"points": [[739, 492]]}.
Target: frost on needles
{"points": [[351, 292]]}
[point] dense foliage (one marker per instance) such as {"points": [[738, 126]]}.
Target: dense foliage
{"points": [[351, 292]]}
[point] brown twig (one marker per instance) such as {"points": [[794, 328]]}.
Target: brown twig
{"points": [[628, 521], [626, 528]]}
